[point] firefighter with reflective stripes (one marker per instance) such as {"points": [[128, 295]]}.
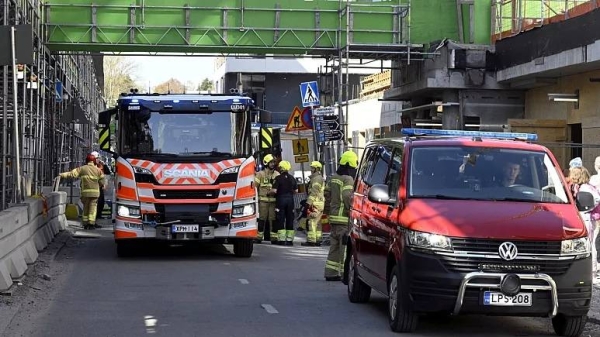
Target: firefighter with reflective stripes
{"points": [[315, 203], [266, 199], [92, 179], [338, 195], [284, 187]]}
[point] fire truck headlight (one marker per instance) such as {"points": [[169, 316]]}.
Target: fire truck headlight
{"points": [[233, 169], [126, 211], [141, 170], [243, 210]]}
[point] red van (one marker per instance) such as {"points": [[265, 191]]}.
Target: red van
{"points": [[463, 222]]}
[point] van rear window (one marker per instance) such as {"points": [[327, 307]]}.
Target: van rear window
{"points": [[480, 173]]}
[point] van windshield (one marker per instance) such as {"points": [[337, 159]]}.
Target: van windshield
{"points": [[480, 173]]}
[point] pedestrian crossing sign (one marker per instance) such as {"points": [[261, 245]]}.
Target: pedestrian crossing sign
{"points": [[296, 122], [309, 93]]}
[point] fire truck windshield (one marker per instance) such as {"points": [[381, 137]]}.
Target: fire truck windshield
{"points": [[222, 133]]}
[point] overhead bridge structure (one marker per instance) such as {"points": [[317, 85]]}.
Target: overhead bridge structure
{"points": [[228, 26], [69, 34]]}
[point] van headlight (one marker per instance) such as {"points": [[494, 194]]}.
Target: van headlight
{"points": [[424, 240], [128, 211], [243, 210], [580, 247]]}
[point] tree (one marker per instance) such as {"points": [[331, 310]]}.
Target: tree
{"points": [[172, 85], [118, 77], [206, 85], [190, 86]]}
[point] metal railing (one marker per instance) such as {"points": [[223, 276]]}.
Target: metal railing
{"points": [[511, 17]]}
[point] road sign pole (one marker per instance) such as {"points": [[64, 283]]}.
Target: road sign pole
{"points": [[315, 145], [302, 168]]}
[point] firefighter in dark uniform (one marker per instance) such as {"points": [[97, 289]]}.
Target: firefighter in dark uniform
{"points": [[338, 194], [284, 187]]}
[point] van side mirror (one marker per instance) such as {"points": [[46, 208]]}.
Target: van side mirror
{"points": [[380, 194], [585, 201]]}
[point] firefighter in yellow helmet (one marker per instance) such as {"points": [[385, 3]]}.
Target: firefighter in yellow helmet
{"points": [[284, 187], [315, 203], [266, 199], [92, 179], [338, 194]]}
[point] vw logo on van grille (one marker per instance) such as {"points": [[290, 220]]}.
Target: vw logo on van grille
{"points": [[508, 251]]}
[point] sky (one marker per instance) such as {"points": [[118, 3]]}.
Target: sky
{"points": [[153, 70]]}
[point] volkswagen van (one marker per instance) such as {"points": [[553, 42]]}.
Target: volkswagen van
{"points": [[464, 222]]}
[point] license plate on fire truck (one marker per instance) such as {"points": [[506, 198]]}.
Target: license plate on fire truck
{"points": [[185, 228]]}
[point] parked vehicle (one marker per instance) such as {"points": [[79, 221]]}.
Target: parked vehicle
{"points": [[463, 222], [184, 170]]}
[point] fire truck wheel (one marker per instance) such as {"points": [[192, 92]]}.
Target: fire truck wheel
{"points": [[243, 248]]}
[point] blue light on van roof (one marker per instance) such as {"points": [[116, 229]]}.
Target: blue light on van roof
{"points": [[411, 132]]}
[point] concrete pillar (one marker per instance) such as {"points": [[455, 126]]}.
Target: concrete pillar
{"points": [[451, 118]]}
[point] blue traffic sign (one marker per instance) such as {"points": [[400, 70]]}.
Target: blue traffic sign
{"points": [[309, 93]]}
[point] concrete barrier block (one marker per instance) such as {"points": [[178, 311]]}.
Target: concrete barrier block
{"points": [[29, 252], [12, 219], [40, 241], [53, 212], [62, 219], [62, 197], [35, 207], [54, 226], [5, 279], [16, 264], [47, 234]]}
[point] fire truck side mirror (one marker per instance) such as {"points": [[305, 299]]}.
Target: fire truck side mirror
{"points": [[265, 116]]}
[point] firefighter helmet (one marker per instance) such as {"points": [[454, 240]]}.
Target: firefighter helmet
{"points": [[268, 158], [90, 158], [349, 158], [285, 165], [316, 165]]}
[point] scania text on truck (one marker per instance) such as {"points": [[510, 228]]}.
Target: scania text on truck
{"points": [[184, 169]]}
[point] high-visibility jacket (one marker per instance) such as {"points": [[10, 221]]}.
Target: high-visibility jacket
{"points": [[264, 183], [338, 195], [91, 179], [316, 192]]}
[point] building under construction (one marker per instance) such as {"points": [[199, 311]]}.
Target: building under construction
{"points": [[48, 106]]}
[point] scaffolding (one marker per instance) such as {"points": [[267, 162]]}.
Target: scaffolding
{"points": [[37, 142], [334, 76]]}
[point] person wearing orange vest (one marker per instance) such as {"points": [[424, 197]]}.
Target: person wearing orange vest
{"points": [[92, 178]]}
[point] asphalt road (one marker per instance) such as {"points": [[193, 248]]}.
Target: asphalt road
{"points": [[280, 291]]}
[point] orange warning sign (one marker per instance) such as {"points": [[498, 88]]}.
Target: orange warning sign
{"points": [[296, 122]]}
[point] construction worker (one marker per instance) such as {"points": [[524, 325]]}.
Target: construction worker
{"points": [[284, 188], [338, 194], [92, 178], [266, 199], [316, 203]]}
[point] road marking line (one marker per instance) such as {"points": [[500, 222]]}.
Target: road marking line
{"points": [[269, 308], [243, 281], [227, 263]]}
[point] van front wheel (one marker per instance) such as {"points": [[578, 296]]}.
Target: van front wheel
{"points": [[569, 326], [402, 319]]}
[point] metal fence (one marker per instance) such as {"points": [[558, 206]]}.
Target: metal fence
{"points": [[511, 17]]}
